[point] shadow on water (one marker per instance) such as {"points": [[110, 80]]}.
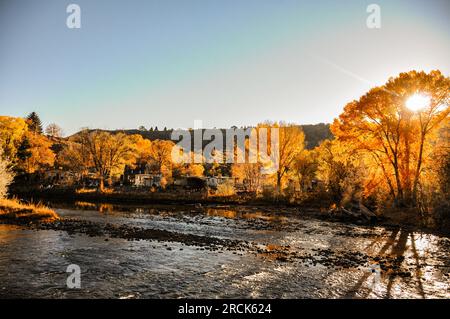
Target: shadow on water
{"points": [[396, 246], [282, 256]]}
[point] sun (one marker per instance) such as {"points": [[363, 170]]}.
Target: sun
{"points": [[418, 102]]}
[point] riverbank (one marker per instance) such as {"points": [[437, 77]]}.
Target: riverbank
{"points": [[142, 197], [315, 206], [12, 210]]}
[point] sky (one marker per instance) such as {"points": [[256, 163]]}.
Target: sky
{"points": [[167, 63]]}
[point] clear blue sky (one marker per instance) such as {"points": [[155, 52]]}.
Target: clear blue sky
{"points": [[226, 62]]}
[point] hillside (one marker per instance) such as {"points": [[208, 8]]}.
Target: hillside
{"points": [[314, 133]]}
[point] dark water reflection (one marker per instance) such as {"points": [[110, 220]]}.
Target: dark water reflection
{"points": [[33, 263]]}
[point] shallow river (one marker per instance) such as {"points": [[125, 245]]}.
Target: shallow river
{"points": [[33, 263]]}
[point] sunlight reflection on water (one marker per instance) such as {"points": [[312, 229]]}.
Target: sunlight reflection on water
{"points": [[32, 263]]}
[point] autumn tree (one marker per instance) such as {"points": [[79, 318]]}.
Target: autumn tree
{"points": [[26, 150], [107, 153], [191, 169], [305, 168], [436, 192], [397, 138], [161, 154], [443, 173], [250, 174], [291, 142], [12, 132], [35, 153], [75, 157], [143, 149], [161, 159], [342, 171], [196, 170]]}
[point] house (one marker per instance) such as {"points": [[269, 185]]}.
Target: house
{"points": [[147, 180], [141, 176]]}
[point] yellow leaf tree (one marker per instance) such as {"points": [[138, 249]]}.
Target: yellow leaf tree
{"points": [[40, 154], [396, 135]]}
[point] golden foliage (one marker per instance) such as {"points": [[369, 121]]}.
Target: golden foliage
{"points": [[12, 131], [41, 155], [291, 142], [395, 140], [225, 189]]}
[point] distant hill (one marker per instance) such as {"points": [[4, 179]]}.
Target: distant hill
{"points": [[314, 133]]}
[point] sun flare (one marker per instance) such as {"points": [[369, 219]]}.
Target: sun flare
{"points": [[418, 102]]}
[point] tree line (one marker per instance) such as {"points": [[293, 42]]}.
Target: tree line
{"points": [[381, 151]]}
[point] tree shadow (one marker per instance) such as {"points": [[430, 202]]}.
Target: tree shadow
{"points": [[398, 247]]}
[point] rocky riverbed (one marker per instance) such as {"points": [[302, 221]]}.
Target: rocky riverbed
{"points": [[193, 251]]}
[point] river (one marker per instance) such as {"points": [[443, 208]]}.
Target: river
{"points": [[283, 255]]}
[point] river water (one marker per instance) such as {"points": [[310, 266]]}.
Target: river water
{"points": [[33, 263]]}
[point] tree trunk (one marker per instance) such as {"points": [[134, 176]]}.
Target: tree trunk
{"points": [[101, 186], [419, 165], [407, 177], [279, 181]]}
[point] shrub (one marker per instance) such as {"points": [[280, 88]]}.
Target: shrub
{"points": [[13, 210], [225, 189]]}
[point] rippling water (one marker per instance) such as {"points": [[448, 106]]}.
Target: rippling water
{"points": [[33, 263]]}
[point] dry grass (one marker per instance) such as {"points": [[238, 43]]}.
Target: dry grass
{"points": [[94, 190], [225, 190], [12, 209], [86, 190]]}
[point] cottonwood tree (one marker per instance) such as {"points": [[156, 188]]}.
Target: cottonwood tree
{"points": [[291, 142], [342, 171], [305, 168], [143, 149], [107, 154], [161, 159], [12, 132], [397, 139], [75, 157], [35, 153], [250, 174], [26, 149], [161, 154]]}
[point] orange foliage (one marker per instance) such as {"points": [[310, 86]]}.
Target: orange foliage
{"points": [[396, 141]]}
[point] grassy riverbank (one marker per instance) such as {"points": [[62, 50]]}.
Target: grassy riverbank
{"points": [[314, 206], [14, 210], [142, 197]]}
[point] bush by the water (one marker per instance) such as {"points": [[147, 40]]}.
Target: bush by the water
{"points": [[225, 189], [14, 210]]}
